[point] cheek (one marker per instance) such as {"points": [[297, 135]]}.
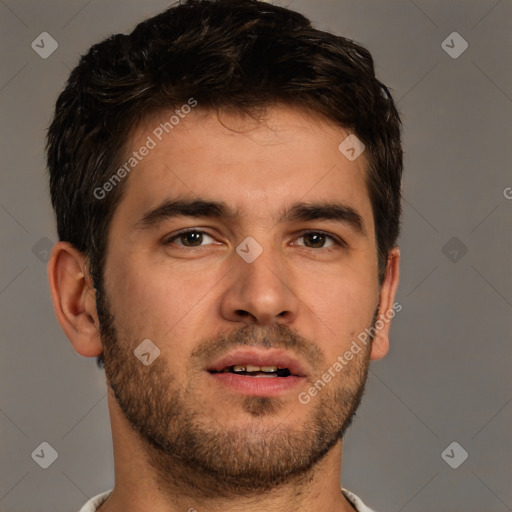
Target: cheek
{"points": [[344, 302], [143, 301], [160, 303]]}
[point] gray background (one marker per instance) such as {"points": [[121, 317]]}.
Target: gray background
{"points": [[447, 377]]}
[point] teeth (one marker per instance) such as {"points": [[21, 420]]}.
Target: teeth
{"points": [[253, 368]]}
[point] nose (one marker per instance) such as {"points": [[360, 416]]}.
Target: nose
{"points": [[260, 292]]}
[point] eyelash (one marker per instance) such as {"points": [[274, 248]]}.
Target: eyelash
{"points": [[337, 241]]}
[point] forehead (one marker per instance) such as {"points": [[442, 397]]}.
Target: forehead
{"points": [[256, 166]]}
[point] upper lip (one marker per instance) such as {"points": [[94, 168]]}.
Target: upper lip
{"points": [[268, 357]]}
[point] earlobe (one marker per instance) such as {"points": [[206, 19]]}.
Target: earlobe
{"points": [[74, 299], [387, 307]]}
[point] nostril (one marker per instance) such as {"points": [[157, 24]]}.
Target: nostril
{"points": [[241, 312]]}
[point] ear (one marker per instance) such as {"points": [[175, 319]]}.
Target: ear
{"points": [[387, 308], [74, 299]]}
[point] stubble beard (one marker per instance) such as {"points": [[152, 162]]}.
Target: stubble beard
{"points": [[195, 455]]}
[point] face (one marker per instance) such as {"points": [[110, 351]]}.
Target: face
{"points": [[239, 243]]}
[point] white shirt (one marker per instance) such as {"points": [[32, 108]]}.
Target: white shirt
{"points": [[95, 502]]}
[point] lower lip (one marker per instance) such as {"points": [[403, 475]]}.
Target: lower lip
{"points": [[259, 386]]}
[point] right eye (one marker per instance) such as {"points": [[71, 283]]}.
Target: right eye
{"points": [[188, 238]]}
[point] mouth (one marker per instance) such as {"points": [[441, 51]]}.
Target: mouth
{"points": [[267, 373], [255, 371]]}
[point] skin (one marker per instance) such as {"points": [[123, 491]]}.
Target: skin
{"points": [[198, 302]]}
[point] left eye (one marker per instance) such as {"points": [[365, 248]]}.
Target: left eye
{"points": [[316, 240]]}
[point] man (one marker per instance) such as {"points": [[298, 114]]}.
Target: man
{"points": [[226, 181]]}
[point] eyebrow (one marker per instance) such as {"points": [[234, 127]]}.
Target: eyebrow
{"points": [[300, 211]]}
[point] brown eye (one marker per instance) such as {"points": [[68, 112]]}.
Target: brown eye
{"points": [[317, 240], [192, 239], [189, 239]]}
